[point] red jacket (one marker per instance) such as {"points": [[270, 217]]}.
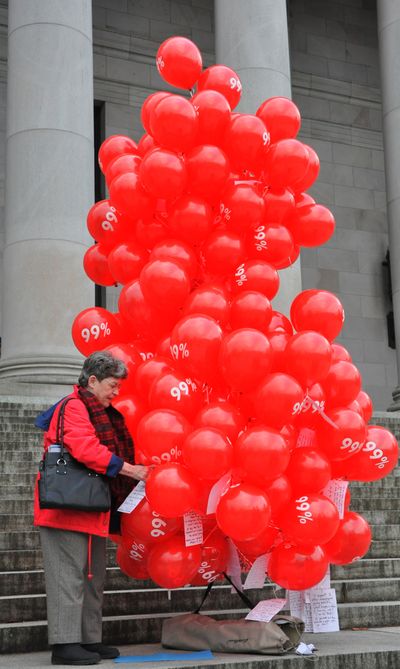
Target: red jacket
{"points": [[83, 444]]}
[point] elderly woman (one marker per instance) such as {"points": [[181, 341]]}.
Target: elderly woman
{"points": [[74, 542]]}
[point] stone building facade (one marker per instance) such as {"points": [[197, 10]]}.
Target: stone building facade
{"points": [[327, 55]]}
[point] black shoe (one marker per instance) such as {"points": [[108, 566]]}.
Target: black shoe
{"points": [[105, 652], [73, 654]]}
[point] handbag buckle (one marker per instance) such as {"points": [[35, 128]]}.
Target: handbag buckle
{"points": [[61, 466]]}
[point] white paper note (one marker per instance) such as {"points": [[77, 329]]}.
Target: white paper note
{"points": [[324, 610], [325, 584], [134, 498], [256, 576], [266, 609], [193, 529], [233, 568], [216, 491], [296, 603], [306, 437], [336, 490], [307, 618]]}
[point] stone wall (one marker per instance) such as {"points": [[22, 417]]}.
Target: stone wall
{"points": [[3, 92], [335, 79]]}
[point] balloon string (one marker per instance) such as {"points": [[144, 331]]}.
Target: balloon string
{"points": [[315, 405]]}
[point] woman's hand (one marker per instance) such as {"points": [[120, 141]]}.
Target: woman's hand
{"points": [[137, 472]]}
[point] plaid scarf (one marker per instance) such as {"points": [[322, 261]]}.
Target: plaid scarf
{"points": [[112, 432]]}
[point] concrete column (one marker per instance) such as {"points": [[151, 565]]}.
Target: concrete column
{"points": [[389, 40], [251, 37], [49, 187]]}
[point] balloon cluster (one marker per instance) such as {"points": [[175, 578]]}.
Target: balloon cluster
{"points": [[202, 214]]}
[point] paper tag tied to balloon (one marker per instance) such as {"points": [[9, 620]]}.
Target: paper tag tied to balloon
{"points": [[193, 525], [134, 498]]}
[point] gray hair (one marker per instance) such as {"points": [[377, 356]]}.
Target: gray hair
{"points": [[102, 365]]}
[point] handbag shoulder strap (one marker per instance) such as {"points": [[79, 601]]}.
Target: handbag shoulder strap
{"points": [[246, 601], [60, 425]]}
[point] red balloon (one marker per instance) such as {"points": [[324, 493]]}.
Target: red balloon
{"points": [[149, 371], [261, 545], [208, 170], [377, 457], [126, 260], [172, 490], [256, 275], [278, 205], [177, 251], [351, 541], [317, 310], [277, 399], [214, 558], [309, 414], [160, 435], [132, 410], [242, 207], [280, 323], [114, 146], [214, 115], [296, 568], [172, 391], [143, 319], [208, 300], [147, 525], [312, 225], [366, 406], [103, 222], [342, 384], [246, 142], [122, 164], [339, 352], [281, 116], [223, 252], [245, 358], [95, 264], [190, 220], [250, 309], [146, 144], [289, 260], [150, 232], [224, 80], [129, 566], [272, 243], [128, 197], [165, 284], [195, 343], [310, 518], [148, 105], [171, 564], [94, 329], [308, 357], [309, 470], [343, 435], [312, 172], [243, 512], [174, 123], [163, 174], [262, 454], [207, 453], [286, 163], [279, 493], [179, 62], [129, 354], [223, 416], [278, 343]]}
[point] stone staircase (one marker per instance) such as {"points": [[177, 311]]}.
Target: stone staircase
{"points": [[368, 591]]}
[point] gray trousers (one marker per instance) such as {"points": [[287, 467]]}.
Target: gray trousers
{"points": [[74, 602]]}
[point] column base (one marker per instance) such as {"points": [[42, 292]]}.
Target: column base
{"points": [[395, 406], [39, 376]]}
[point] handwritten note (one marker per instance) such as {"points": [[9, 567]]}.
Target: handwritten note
{"points": [[266, 610], [134, 498], [233, 568], [324, 610], [216, 491], [296, 603], [306, 437], [336, 492], [256, 576], [193, 525]]}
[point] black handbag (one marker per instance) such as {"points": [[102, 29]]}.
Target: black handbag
{"points": [[65, 483]]}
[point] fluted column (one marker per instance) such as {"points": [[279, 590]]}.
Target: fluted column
{"points": [[251, 36], [389, 40], [49, 186]]}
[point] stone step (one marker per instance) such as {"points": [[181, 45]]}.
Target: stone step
{"points": [[363, 504], [31, 559], [146, 628], [367, 568], [17, 491]]}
